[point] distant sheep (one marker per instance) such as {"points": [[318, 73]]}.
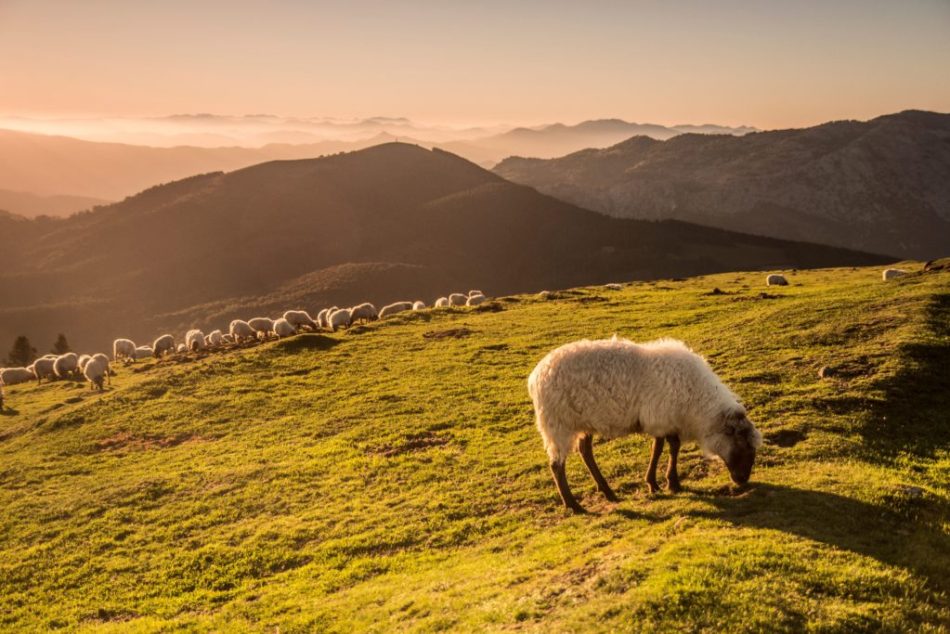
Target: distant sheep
{"points": [[442, 302], [472, 293], [363, 312], [890, 274], [195, 340], [43, 369], [775, 279], [475, 300], [396, 307], [419, 305], [240, 330], [615, 387], [181, 348], [215, 339], [300, 319], [66, 364], [144, 352], [323, 317], [227, 338], [123, 349], [339, 318], [263, 326], [96, 371], [613, 287], [163, 345], [457, 299], [283, 328], [83, 360], [13, 376]]}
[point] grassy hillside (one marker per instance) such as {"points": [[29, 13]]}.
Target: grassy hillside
{"points": [[391, 477]]}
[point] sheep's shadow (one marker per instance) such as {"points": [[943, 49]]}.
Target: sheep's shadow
{"points": [[905, 533], [9, 411], [304, 342]]}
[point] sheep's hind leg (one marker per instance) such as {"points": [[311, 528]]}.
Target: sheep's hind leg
{"points": [[672, 477], [654, 461], [585, 446], [560, 480]]}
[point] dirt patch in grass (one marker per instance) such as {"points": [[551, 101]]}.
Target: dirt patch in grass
{"points": [[451, 333], [414, 443], [785, 437]]}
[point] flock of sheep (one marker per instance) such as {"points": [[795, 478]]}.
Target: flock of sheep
{"points": [[96, 368]]}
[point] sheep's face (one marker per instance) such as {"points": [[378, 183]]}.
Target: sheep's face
{"points": [[736, 441]]}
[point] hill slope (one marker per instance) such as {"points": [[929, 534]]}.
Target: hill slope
{"points": [[879, 186], [389, 479], [213, 247]]}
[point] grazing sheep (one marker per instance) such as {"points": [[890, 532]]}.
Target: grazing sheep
{"points": [[890, 274], [66, 364], [396, 307], [615, 387], [363, 312], [419, 305], [325, 320], [442, 302], [339, 318], [13, 376], [83, 360], [300, 319], [227, 338], [123, 349], [283, 328], [776, 280], [215, 338], [613, 287], [195, 340], [546, 295], [473, 293], [104, 359], [43, 369], [162, 345], [457, 299], [475, 300], [96, 371], [262, 326], [241, 330], [181, 348], [144, 352]]}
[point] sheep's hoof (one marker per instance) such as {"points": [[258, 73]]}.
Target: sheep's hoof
{"points": [[611, 496], [653, 487], [577, 509], [674, 486]]}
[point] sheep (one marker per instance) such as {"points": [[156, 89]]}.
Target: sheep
{"points": [[66, 364], [546, 295], [475, 300], [144, 352], [96, 371], [419, 305], [104, 359], [165, 343], [195, 340], [457, 299], [13, 376], [364, 312], [323, 317], [123, 349], [615, 387], [215, 339], [227, 338], [283, 328], [442, 302], [613, 286], [240, 330], [396, 307], [890, 274], [263, 326], [339, 318], [776, 280], [43, 369], [83, 360], [473, 293], [300, 318], [181, 348]]}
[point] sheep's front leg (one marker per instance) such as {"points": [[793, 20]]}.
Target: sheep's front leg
{"points": [[560, 480], [672, 477], [585, 446], [654, 461]]}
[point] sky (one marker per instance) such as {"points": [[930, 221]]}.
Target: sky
{"points": [[764, 63]]}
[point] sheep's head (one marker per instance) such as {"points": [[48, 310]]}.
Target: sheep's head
{"points": [[735, 439]]}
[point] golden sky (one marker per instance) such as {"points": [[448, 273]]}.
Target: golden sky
{"points": [[764, 63]]}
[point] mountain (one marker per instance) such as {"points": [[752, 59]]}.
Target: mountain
{"points": [[391, 222], [881, 185], [32, 205]]}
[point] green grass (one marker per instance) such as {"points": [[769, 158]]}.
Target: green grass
{"points": [[380, 479]]}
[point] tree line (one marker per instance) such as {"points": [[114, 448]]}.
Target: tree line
{"points": [[23, 353]]}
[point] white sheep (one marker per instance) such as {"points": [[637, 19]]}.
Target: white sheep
{"points": [[240, 330], [123, 349], [43, 368], [144, 352], [66, 364], [775, 279], [227, 338], [263, 326], [195, 340], [13, 376], [457, 299], [162, 345], [300, 319], [475, 300], [615, 387], [363, 312], [339, 318], [104, 359], [83, 360], [283, 328], [613, 286], [442, 302], [323, 317], [96, 371], [215, 339], [418, 305], [391, 309], [890, 274], [472, 293]]}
